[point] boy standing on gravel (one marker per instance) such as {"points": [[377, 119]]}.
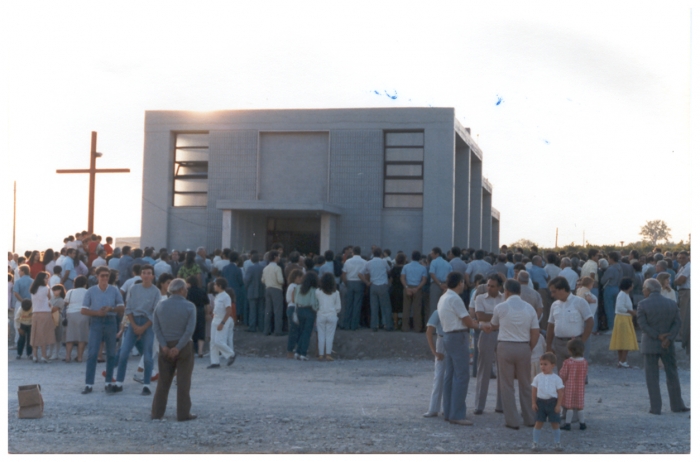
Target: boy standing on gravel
{"points": [[547, 395]]}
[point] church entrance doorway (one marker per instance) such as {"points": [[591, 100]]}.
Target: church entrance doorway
{"points": [[302, 234]]}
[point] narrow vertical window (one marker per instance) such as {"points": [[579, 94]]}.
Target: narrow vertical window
{"points": [[191, 170], [403, 169]]}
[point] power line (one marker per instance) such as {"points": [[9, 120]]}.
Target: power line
{"points": [[171, 215]]}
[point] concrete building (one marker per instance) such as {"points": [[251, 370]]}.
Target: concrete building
{"points": [[315, 179]]}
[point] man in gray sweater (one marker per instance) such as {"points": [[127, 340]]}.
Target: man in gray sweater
{"points": [[174, 320]]}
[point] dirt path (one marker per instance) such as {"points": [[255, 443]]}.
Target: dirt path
{"points": [[274, 405]]}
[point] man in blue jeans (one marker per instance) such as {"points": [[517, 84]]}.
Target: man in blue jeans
{"points": [[355, 281], [141, 301], [102, 303]]}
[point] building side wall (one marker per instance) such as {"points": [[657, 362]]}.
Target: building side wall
{"points": [[475, 202], [461, 211], [495, 234], [486, 220], [356, 185], [438, 188]]}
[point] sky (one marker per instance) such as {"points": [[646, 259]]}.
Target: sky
{"points": [[583, 113]]}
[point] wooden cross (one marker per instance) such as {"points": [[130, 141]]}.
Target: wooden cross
{"points": [[92, 171]]}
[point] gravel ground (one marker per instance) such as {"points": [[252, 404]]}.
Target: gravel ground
{"points": [[274, 405]]}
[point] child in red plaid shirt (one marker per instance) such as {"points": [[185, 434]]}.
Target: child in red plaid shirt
{"points": [[573, 374]]}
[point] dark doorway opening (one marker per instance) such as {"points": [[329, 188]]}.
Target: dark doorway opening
{"points": [[302, 234]]}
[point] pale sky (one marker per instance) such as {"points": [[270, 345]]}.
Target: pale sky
{"points": [[592, 133]]}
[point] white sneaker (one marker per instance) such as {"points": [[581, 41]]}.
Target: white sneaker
{"points": [[296, 355], [535, 447], [625, 365], [430, 414], [303, 358]]}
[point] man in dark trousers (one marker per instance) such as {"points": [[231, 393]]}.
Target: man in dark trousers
{"points": [[255, 291], [660, 321], [174, 320]]}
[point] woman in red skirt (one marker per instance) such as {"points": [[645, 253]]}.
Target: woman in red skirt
{"points": [[573, 373]]}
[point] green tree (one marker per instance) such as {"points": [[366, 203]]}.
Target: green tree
{"points": [[523, 243], [655, 231]]}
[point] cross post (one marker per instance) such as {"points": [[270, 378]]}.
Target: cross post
{"points": [[93, 170]]}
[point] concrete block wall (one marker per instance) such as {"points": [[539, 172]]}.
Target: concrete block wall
{"points": [[158, 164], [438, 189], [187, 229], [402, 229], [475, 202], [486, 220], [461, 208], [232, 173], [356, 185]]}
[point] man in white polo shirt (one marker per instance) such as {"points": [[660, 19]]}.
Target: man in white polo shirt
{"points": [[484, 306], [518, 333], [569, 317], [456, 322]]}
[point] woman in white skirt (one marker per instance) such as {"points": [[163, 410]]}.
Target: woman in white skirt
{"points": [[327, 315], [78, 328], [43, 327]]}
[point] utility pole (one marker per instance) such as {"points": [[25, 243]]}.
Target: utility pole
{"points": [[14, 219], [556, 240]]}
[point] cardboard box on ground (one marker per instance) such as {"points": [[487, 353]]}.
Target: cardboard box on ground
{"points": [[31, 403]]}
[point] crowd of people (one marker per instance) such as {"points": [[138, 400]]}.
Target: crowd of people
{"points": [[524, 311]]}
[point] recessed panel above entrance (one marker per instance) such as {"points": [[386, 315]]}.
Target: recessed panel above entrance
{"points": [[293, 166]]}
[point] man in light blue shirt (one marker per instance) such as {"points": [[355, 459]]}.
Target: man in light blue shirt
{"points": [[102, 303], [22, 285], [537, 273], [378, 269], [20, 291], [141, 302], [454, 257], [69, 273], [113, 262], [477, 266], [413, 277], [148, 256], [328, 265], [439, 269], [125, 264]]}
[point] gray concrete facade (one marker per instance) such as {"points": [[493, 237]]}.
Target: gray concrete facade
{"points": [[321, 176]]}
